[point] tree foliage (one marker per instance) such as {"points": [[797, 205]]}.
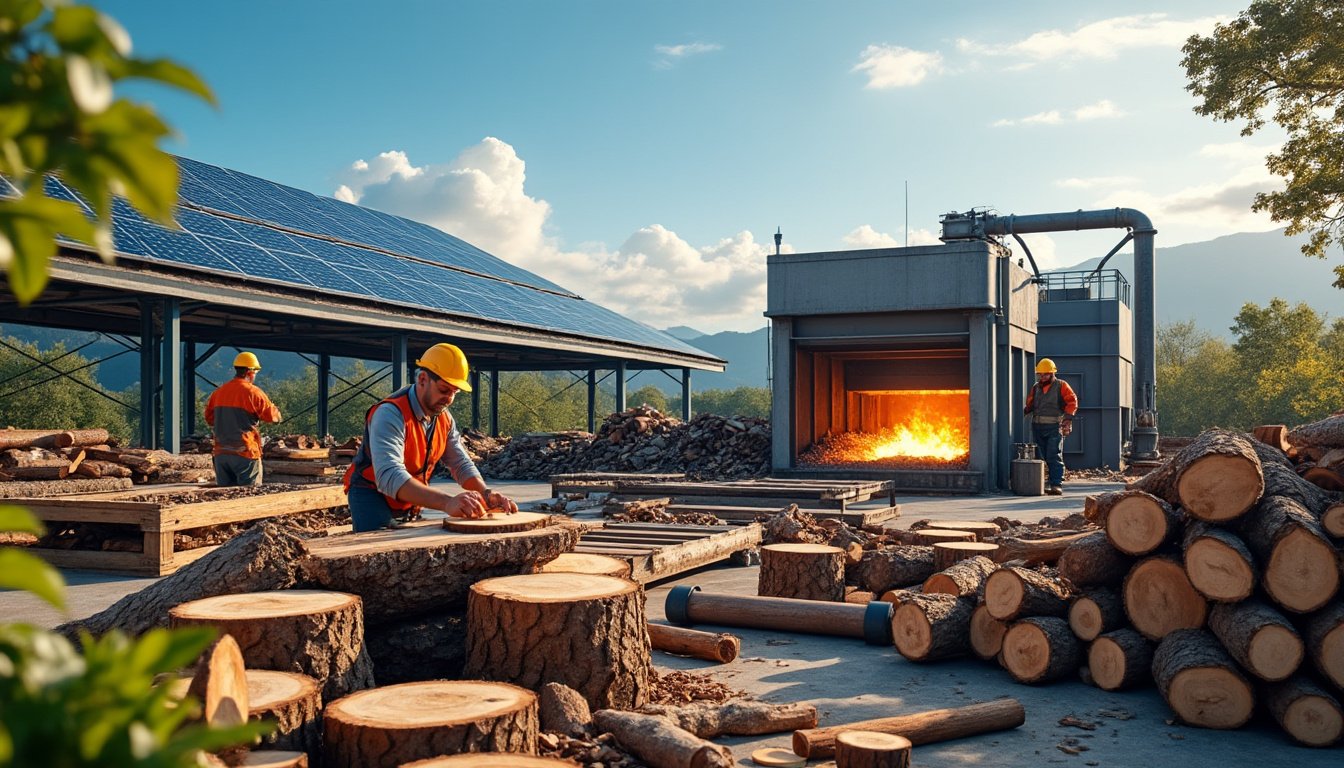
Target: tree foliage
{"points": [[1284, 59], [34, 393]]}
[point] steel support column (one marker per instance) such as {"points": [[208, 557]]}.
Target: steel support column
{"points": [[592, 400], [475, 378], [399, 372], [189, 388], [171, 359], [149, 376], [323, 394], [685, 394], [620, 386], [494, 403]]}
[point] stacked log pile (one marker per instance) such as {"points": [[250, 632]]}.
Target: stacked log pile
{"points": [[1316, 449], [301, 459], [640, 440], [1213, 576], [36, 463]]}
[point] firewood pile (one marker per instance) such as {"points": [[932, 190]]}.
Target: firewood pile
{"points": [[639, 439], [36, 463], [1316, 449]]}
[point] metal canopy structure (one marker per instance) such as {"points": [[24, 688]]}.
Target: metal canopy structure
{"points": [[268, 267]]}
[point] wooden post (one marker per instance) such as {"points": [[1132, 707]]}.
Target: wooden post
{"points": [[872, 622], [919, 727], [802, 572], [870, 749]]}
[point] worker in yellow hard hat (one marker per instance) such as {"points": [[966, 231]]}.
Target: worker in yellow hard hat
{"points": [[234, 410], [406, 436], [1052, 404]]}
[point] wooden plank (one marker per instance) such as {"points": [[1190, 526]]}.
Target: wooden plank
{"points": [[636, 538], [297, 468], [661, 527], [158, 550], [180, 516], [745, 501], [72, 511], [669, 561], [599, 549]]}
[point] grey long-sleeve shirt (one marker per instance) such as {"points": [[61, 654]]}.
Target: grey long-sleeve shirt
{"points": [[387, 448]]}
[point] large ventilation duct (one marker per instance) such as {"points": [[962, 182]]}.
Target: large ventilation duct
{"points": [[976, 224]]}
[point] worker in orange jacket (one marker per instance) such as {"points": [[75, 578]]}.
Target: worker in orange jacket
{"points": [[1052, 404], [234, 410]]}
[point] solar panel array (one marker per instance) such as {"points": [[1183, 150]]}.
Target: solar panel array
{"points": [[370, 259]]}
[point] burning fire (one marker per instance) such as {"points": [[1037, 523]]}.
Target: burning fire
{"points": [[921, 425]]}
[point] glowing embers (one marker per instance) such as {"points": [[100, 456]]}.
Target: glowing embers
{"points": [[900, 429]]}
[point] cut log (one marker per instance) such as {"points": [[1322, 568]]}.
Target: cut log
{"points": [[659, 742], [490, 760], [97, 469], [737, 718], [1332, 520], [1306, 712], [1275, 435], [872, 622], [57, 471], [1324, 633], [272, 758], [931, 536], [986, 634], [294, 703], [582, 562], [898, 566], [1011, 593], [1323, 433], [1259, 638], [1159, 599], [1096, 612], [1216, 478], [1120, 659], [932, 627], [871, 749], [1200, 682], [220, 684], [51, 439], [264, 557], [1036, 551], [316, 633], [964, 579], [1218, 563], [1282, 480], [859, 597], [948, 554], [1138, 523], [927, 727], [564, 710], [585, 631], [37, 489], [1092, 561], [1325, 478], [297, 468], [802, 572], [375, 565], [398, 724], [982, 530], [710, 646], [1040, 649], [510, 523], [1300, 571]]}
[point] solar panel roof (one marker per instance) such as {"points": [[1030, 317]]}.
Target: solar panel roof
{"points": [[236, 224]]}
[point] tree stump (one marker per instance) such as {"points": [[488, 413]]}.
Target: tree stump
{"points": [[582, 562], [490, 760], [1120, 659], [1200, 682], [931, 536], [932, 627], [898, 566], [986, 634], [1014, 592], [981, 530], [1324, 633], [870, 749], [1159, 599], [1259, 638], [802, 572], [294, 703], [1216, 478], [585, 631], [1092, 561], [316, 633], [1096, 612], [948, 554], [1306, 712], [1138, 523], [1300, 571], [401, 723], [964, 579], [1040, 649], [1218, 563]]}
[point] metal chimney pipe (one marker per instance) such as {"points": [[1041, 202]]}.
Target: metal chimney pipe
{"points": [[1145, 312]]}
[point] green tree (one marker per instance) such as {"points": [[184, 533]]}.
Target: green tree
{"points": [[648, 395], [742, 401], [1284, 60], [1287, 364], [1196, 380], [38, 397]]}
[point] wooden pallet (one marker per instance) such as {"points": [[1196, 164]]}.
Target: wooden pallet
{"points": [[590, 482], [837, 494], [739, 514], [157, 521], [657, 551]]}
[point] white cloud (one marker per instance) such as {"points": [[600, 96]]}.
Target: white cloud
{"points": [[1043, 251], [655, 276], [1094, 181], [866, 237], [1103, 39], [1204, 210], [891, 66], [1100, 110], [669, 54]]}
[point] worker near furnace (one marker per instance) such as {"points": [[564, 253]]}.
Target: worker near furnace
{"points": [[1051, 403], [408, 435], [234, 410]]}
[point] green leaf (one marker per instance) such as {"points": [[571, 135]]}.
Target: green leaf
{"points": [[149, 175], [21, 570], [19, 520], [33, 248], [14, 119], [171, 73], [75, 28]]}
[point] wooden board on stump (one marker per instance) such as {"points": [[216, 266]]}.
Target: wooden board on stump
{"points": [[399, 724], [1159, 598], [1200, 682], [870, 749], [802, 572], [948, 554], [585, 631], [583, 562], [1040, 649], [294, 703], [981, 530], [510, 523], [316, 633]]}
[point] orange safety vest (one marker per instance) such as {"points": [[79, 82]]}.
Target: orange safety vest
{"points": [[422, 452]]}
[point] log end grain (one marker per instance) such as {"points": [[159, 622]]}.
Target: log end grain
{"points": [[1138, 523], [1332, 520], [1159, 599], [1219, 570], [1085, 619], [1276, 652], [1119, 660], [986, 634], [1307, 712], [1220, 487], [1040, 649], [1201, 682], [1297, 576]]}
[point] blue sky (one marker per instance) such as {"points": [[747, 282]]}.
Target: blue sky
{"points": [[643, 153]]}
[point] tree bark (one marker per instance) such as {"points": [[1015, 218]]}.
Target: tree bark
{"points": [[1120, 659], [1138, 522], [932, 627], [926, 727], [294, 703], [890, 567], [737, 718], [564, 710], [1098, 611], [986, 634], [1092, 561], [964, 579], [1306, 711], [660, 742], [870, 749], [1012, 593], [1218, 563], [1282, 480], [585, 631], [1324, 433], [1259, 638], [1200, 682], [802, 572], [1036, 551], [1299, 564], [1040, 649], [390, 726], [949, 553], [1159, 599], [320, 634], [720, 647], [1324, 633], [1216, 478]]}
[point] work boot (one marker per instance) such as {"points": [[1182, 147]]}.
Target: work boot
{"points": [[1054, 490]]}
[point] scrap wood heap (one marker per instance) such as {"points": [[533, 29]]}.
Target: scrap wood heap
{"points": [[36, 463], [1316, 450], [653, 511]]}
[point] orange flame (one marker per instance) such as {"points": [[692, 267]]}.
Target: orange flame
{"points": [[922, 425]]}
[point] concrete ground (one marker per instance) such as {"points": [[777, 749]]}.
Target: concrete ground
{"points": [[848, 680]]}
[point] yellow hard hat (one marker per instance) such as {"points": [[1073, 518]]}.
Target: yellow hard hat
{"points": [[1046, 365], [448, 363], [247, 360]]}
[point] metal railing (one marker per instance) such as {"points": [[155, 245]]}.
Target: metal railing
{"points": [[1085, 285]]}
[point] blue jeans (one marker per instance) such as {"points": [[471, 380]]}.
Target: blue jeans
{"points": [[369, 510], [1050, 446]]}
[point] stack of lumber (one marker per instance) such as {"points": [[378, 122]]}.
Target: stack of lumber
{"points": [[1316, 449], [1217, 576], [299, 459], [36, 463]]}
